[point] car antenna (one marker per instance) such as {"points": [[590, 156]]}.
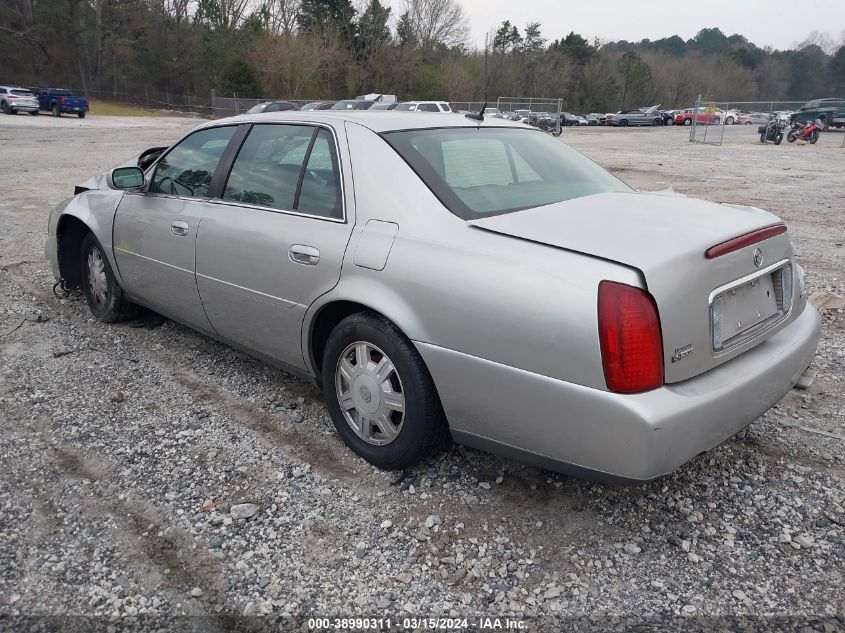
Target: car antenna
{"points": [[477, 116]]}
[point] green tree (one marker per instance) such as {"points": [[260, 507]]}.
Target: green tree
{"points": [[239, 78], [636, 80]]}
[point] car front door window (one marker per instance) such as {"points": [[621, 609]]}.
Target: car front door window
{"points": [[187, 169]]}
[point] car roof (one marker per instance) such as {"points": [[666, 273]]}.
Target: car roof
{"points": [[379, 121]]}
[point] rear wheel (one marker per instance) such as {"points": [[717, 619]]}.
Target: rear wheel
{"points": [[34, 113], [729, 120], [56, 111], [687, 121], [102, 292], [5, 108], [623, 123], [762, 137], [380, 394], [657, 122], [81, 115], [791, 136], [814, 137]]}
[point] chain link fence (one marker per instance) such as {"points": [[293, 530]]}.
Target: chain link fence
{"points": [[710, 118]]}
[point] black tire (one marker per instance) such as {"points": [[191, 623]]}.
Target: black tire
{"points": [[424, 430], [778, 138], [814, 137], [791, 136], [729, 120], [762, 137], [623, 123], [5, 108], [81, 115], [657, 122], [56, 111], [115, 307], [34, 113], [687, 121]]}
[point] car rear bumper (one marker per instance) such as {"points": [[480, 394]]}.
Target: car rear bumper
{"points": [[607, 436], [25, 107]]}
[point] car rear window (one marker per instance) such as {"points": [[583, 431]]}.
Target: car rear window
{"points": [[22, 93], [478, 172]]}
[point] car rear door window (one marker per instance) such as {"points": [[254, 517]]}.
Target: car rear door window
{"points": [[320, 190], [289, 168], [187, 169]]}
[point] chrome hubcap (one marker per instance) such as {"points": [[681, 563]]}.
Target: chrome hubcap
{"points": [[97, 277], [370, 393]]}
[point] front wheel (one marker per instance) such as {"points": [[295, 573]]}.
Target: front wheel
{"points": [[5, 108], [56, 111], [657, 122], [778, 138], [762, 137], [102, 292], [556, 132], [623, 123], [380, 394], [729, 121], [34, 113], [687, 121], [791, 136], [814, 137]]}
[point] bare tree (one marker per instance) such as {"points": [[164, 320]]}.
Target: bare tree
{"points": [[282, 16], [436, 23]]}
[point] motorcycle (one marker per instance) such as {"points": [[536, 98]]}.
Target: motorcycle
{"points": [[549, 125], [808, 131], [772, 131]]}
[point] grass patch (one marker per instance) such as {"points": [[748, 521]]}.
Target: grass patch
{"points": [[110, 108]]}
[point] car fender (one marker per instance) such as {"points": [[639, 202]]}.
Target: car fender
{"points": [[96, 209]]}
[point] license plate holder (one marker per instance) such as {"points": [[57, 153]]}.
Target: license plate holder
{"points": [[745, 306]]}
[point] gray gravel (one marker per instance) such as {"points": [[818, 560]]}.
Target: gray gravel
{"points": [[152, 471]]}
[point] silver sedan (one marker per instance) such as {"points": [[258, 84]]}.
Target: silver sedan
{"points": [[470, 279]]}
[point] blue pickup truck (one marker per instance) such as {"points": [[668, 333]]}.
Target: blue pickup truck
{"points": [[60, 101]]}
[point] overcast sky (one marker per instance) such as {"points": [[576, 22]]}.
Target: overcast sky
{"points": [[776, 23]]}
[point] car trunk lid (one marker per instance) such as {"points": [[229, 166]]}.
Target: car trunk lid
{"points": [[665, 235]]}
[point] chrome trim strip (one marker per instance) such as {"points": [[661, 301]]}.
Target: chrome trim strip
{"points": [[247, 292], [747, 279]]}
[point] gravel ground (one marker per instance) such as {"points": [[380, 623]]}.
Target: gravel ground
{"points": [[153, 471]]}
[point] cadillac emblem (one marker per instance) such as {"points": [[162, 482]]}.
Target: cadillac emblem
{"points": [[758, 257]]}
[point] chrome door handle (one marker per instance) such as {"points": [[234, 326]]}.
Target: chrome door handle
{"points": [[179, 228], [301, 254]]}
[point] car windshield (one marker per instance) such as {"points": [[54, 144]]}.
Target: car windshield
{"points": [[478, 172]]}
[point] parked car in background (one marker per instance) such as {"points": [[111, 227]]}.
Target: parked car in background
{"points": [[831, 112], [272, 106], [354, 104], [699, 115], [753, 118], [668, 116], [60, 101], [424, 106], [624, 118], [15, 99], [592, 329], [384, 105], [592, 119], [493, 112], [520, 115], [730, 117], [318, 105]]}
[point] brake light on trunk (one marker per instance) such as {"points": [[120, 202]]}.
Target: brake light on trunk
{"points": [[746, 239], [630, 338]]}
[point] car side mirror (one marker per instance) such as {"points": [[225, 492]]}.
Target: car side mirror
{"points": [[127, 178]]}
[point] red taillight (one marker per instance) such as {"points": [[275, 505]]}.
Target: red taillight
{"points": [[62, 100], [741, 241], [629, 335]]}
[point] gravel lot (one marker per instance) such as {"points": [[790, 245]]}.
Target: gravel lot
{"points": [[127, 450]]}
